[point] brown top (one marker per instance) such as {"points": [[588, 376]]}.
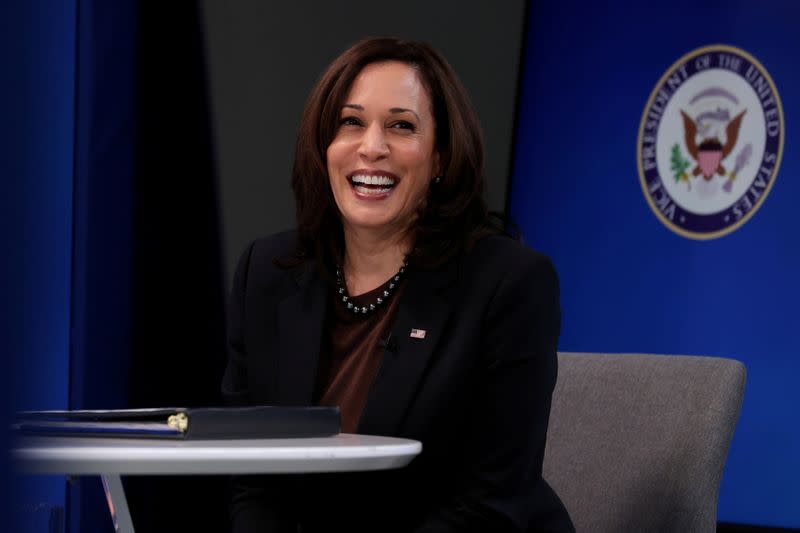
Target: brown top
{"points": [[352, 351]]}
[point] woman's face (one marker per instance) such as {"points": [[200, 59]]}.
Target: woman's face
{"points": [[382, 159]]}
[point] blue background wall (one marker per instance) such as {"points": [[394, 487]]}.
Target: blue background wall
{"points": [[629, 284]]}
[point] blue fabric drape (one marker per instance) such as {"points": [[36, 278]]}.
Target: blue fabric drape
{"points": [[38, 44]]}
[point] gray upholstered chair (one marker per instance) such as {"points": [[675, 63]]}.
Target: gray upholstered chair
{"points": [[637, 442]]}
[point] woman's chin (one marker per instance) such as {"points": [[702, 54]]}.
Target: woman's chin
{"points": [[368, 224], [373, 222]]}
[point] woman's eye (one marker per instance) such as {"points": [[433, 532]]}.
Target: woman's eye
{"points": [[403, 125], [349, 121]]}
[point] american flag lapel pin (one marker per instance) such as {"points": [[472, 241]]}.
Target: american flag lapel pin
{"points": [[418, 333]]}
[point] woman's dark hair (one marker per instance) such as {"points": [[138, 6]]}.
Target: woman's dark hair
{"points": [[455, 212]]}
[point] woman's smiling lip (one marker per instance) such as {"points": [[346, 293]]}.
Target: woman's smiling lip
{"points": [[372, 184]]}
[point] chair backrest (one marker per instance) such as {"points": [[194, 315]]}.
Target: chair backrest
{"points": [[638, 442]]}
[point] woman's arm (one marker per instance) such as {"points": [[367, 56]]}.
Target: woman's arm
{"points": [[502, 487]]}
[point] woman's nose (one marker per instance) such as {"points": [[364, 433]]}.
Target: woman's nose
{"points": [[373, 142]]}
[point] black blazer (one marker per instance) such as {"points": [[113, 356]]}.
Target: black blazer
{"points": [[475, 391]]}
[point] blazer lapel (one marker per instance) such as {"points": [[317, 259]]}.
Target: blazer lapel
{"points": [[423, 310], [300, 318]]}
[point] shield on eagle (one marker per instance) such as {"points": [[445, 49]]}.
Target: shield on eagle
{"points": [[710, 152]]}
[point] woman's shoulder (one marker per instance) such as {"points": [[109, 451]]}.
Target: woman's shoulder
{"points": [[505, 254], [509, 276]]}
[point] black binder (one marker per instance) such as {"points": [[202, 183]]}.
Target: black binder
{"points": [[262, 422]]}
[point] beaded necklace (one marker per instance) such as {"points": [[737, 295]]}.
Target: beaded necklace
{"points": [[341, 290]]}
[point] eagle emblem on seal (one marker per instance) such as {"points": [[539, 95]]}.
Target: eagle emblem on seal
{"points": [[710, 152], [710, 137]]}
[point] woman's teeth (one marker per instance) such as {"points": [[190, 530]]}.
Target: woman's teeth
{"points": [[372, 180], [372, 184], [372, 190]]}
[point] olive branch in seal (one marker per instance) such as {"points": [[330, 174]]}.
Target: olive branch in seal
{"points": [[678, 164]]}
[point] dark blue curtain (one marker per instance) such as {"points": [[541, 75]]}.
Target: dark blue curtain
{"points": [[37, 39], [112, 286], [104, 178]]}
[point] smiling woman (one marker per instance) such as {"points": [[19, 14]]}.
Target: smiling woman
{"points": [[398, 300], [382, 160]]}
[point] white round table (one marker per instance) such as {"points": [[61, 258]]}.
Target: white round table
{"points": [[111, 458]]}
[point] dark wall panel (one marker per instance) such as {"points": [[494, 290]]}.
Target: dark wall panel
{"points": [[265, 56]]}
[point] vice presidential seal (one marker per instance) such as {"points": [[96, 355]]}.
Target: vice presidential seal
{"points": [[710, 142]]}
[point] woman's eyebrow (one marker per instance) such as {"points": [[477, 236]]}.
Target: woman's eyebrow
{"points": [[403, 110], [392, 110]]}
